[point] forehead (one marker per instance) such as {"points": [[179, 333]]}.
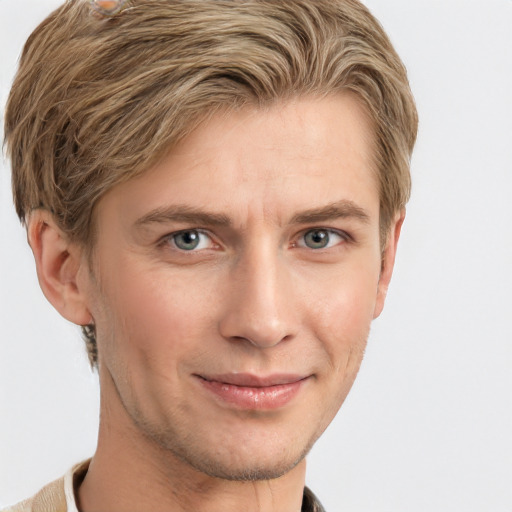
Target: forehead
{"points": [[293, 155], [335, 124]]}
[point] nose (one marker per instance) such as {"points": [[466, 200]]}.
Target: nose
{"points": [[260, 309]]}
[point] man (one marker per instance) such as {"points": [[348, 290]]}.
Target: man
{"points": [[214, 191]]}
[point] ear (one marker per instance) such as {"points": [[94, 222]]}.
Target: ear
{"points": [[388, 261], [58, 262]]}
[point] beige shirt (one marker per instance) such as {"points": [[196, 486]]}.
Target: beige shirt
{"points": [[59, 496]]}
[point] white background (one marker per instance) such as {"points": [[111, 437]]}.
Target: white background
{"points": [[428, 424]]}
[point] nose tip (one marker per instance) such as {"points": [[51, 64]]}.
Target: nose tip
{"points": [[261, 332]]}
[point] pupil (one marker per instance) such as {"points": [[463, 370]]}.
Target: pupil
{"points": [[189, 238]]}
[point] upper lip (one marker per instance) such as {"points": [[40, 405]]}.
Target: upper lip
{"points": [[254, 381]]}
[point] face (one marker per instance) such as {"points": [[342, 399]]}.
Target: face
{"points": [[234, 285]]}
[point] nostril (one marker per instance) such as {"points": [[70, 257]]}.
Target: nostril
{"points": [[260, 336]]}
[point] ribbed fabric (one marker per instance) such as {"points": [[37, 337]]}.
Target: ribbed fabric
{"points": [[58, 496], [51, 498]]}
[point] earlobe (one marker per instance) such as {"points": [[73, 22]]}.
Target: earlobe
{"points": [[58, 263], [388, 262]]}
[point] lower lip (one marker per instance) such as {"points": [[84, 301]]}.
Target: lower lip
{"points": [[255, 398]]}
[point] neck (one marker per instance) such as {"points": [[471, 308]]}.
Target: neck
{"points": [[130, 472]]}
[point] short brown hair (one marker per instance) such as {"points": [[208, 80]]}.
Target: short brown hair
{"points": [[99, 99]]}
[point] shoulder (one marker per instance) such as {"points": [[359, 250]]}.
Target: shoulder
{"points": [[50, 498]]}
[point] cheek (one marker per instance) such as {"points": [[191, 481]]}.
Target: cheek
{"points": [[345, 300], [152, 332], [146, 311], [341, 320], [158, 305]]}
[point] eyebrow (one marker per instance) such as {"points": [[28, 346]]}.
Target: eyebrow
{"points": [[183, 213], [188, 214], [340, 209]]}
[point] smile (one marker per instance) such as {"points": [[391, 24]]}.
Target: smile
{"points": [[245, 391]]}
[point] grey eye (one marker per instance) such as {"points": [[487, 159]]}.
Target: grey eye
{"points": [[321, 239], [187, 240], [317, 239]]}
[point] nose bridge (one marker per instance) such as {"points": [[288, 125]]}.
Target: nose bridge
{"points": [[259, 307]]}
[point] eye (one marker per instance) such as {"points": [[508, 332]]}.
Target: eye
{"points": [[191, 240], [320, 239]]}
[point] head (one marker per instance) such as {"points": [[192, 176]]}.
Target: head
{"points": [[106, 106]]}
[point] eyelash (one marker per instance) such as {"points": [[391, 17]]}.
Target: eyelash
{"points": [[300, 243]]}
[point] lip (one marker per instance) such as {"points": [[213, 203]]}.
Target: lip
{"points": [[253, 392]]}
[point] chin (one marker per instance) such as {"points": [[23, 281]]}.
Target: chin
{"points": [[253, 458], [240, 470]]}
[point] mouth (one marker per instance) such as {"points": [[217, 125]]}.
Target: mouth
{"points": [[252, 392]]}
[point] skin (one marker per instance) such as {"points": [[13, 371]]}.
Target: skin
{"points": [[254, 297]]}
